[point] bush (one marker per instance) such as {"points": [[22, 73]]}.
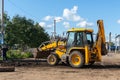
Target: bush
{"points": [[27, 55], [14, 54], [1, 58], [17, 54]]}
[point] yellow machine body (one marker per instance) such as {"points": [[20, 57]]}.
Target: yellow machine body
{"points": [[90, 52]]}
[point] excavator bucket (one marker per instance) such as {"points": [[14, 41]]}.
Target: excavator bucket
{"points": [[42, 54], [44, 50]]}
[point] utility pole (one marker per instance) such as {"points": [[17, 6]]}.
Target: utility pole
{"points": [[110, 42], [115, 43], [54, 28], [54, 33], [2, 20], [119, 44]]}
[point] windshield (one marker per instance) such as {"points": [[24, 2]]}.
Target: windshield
{"points": [[75, 39]]}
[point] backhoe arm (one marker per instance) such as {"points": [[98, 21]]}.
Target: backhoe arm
{"points": [[100, 46]]}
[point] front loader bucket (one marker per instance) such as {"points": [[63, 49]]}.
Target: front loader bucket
{"points": [[41, 54], [44, 50]]}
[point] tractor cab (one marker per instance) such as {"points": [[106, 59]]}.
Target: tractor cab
{"points": [[79, 37]]}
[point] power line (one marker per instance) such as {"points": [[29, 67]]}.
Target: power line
{"points": [[23, 10]]}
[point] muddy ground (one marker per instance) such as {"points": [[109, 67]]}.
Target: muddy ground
{"points": [[108, 69]]}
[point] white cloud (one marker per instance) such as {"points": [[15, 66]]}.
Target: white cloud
{"points": [[90, 24], [66, 24], [68, 17], [50, 26], [51, 18], [42, 24], [71, 14], [118, 21], [84, 24], [47, 18], [74, 9], [58, 19]]}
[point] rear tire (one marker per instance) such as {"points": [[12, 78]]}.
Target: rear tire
{"points": [[53, 59], [76, 59]]}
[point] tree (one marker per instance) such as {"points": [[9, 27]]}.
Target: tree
{"points": [[36, 34], [24, 32], [6, 20]]}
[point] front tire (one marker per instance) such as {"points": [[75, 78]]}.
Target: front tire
{"points": [[76, 59], [53, 59]]}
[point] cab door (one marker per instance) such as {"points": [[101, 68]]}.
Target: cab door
{"points": [[75, 39], [89, 39]]}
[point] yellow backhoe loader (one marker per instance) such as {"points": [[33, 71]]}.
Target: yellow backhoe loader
{"points": [[78, 49]]}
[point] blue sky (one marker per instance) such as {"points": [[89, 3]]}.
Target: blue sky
{"points": [[73, 13]]}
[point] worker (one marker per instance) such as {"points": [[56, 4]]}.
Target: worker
{"points": [[4, 51]]}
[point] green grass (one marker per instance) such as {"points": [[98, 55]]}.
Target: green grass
{"points": [[17, 54]]}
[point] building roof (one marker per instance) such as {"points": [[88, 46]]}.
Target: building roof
{"points": [[117, 36]]}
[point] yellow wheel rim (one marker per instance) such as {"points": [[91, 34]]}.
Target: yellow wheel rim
{"points": [[75, 59], [52, 59]]}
